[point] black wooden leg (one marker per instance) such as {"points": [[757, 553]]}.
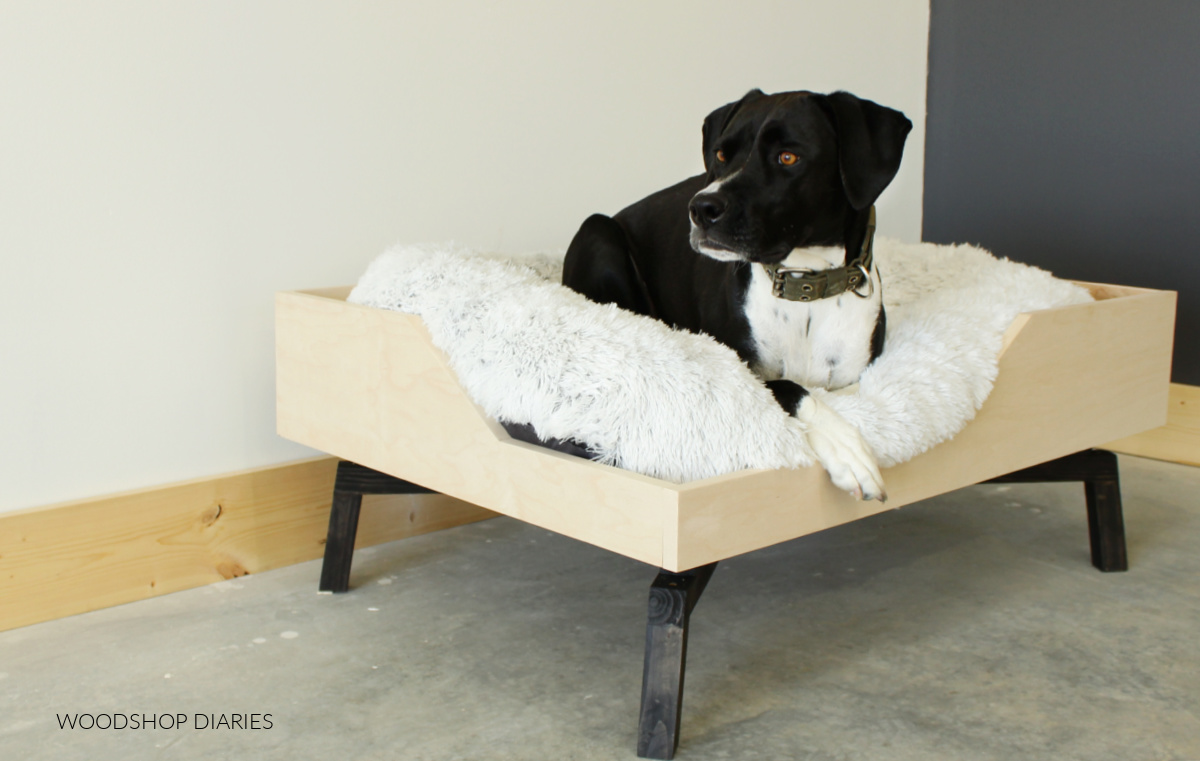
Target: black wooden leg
{"points": [[1106, 524], [672, 598], [353, 481], [339, 542], [1099, 472]]}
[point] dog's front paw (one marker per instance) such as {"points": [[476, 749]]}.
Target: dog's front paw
{"points": [[839, 447]]}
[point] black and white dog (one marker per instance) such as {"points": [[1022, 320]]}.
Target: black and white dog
{"points": [[769, 252]]}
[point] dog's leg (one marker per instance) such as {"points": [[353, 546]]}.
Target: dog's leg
{"points": [[836, 444], [841, 449], [599, 264]]}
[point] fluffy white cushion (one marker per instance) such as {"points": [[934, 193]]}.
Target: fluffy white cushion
{"points": [[680, 406]]}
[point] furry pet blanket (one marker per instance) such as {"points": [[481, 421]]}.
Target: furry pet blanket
{"points": [[680, 406]]}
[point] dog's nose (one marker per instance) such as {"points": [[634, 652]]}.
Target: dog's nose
{"points": [[706, 210]]}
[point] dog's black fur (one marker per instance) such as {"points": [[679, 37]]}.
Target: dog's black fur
{"points": [[643, 260], [684, 254]]}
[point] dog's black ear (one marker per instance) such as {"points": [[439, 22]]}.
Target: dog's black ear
{"points": [[870, 145], [715, 123]]}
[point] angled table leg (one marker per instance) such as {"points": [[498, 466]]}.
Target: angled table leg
{"points": [[1106, 521], [353, 481], [672, 598], [1098, 470], [339, 542]]}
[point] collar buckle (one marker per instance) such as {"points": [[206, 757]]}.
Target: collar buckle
{"points": [[800, 284], [808, 285]]}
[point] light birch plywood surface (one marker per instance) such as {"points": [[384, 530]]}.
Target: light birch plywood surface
{"points": [[368, 385], [1058, 391], [1178, 440]]}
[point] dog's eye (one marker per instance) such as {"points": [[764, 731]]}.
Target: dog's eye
{"points": [[721, 156], [787, 158]]}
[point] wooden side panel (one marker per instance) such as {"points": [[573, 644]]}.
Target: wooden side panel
{"points": [[368, 385], [65, 559], [723, 517], [1070, 378], [1178, 440]]}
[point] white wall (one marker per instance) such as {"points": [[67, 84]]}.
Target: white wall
{"points": [[166, 167]]}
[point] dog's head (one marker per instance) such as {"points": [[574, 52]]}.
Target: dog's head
{"points": [[791, 170]]}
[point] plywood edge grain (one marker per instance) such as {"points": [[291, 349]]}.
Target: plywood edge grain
{"points": [[339, 292], [1101, 291], [70, 558]]}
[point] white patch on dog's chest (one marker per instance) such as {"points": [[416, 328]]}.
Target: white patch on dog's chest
{"points": [[824, 343]]}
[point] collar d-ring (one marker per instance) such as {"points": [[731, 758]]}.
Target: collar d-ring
{"points": [[866, 278]]}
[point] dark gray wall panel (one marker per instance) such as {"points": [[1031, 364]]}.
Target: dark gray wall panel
{"points": [[1066, 134]]}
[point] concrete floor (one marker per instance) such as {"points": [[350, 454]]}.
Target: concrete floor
{"points": [[967, 627]]}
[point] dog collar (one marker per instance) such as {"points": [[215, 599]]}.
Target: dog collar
{"points": [[796, 284]]}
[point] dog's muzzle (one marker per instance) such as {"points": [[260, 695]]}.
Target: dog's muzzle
{"points": [[706, 209]]}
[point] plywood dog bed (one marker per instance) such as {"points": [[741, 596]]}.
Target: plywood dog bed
{"points": [[369, 386]]}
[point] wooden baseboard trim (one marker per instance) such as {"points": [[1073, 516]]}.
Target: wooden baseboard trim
{"points": [[74, 557], [1178, 440]]}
